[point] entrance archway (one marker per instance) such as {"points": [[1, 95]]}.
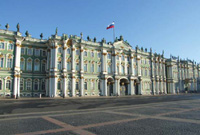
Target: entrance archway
{"points": [[110, 83], [124, 87]]}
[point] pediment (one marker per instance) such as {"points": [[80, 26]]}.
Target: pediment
{"points": [[122, 45]]}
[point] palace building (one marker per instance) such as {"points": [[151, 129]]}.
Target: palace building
{"points": [[71, 67]]}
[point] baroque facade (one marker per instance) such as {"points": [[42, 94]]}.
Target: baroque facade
{"points": [[70, 66]]}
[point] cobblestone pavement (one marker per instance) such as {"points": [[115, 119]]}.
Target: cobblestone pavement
{"points": [[160, 118]]}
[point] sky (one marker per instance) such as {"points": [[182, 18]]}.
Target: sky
{"points": [[169, 25]]}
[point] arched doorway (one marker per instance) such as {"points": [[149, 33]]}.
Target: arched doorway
{"points": [[110, 83], [124, 87]]}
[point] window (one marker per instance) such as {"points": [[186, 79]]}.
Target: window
{"points": [[77, 88], [99, 55], [29, 65], [37, 65], [109, 68], [36, 85], [92, 68], [43, 67], [92, 85], [99, 68], [117, 57], [85, 85], [77, 66], [59, 50], [123, 57], [22, 84], [1, 45], [77, 52], [8, 84], [22, 51], [85, 67], [43, 84], [9, 63], [68, 51], [69, 85], [92, 54], [22, 65], [59, 85], [122, 69], [68, 65], [127, 58], [28, 85], [1, 62], [127, 70], [145, 72], [99, 87], [1, 84], [118, 69], [109, 56], [85, 53], [37, 52], [44, 53], [29, 51], [59, 65], [10, 46]]}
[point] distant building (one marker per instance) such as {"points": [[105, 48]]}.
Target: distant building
{"points": [[73, 67]]}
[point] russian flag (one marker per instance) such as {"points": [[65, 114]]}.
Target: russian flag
{"points": [[112, 25]]}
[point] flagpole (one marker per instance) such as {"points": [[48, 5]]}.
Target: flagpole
{"points": [[113, 34]]}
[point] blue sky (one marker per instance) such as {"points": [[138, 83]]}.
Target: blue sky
{"points": [[169, 25]]}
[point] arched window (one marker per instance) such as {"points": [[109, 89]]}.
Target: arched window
{"points": [[37, 65], [8, 84], [85, 85], [43, 66], [10, 46], [68, 51], [36, 85], [92, 54], [123, 57], [109, 68], [9, 63], [1, 84], [77, 52], [29, 65], [22, 64], [109, 56], [99, 68], [59, 50]]}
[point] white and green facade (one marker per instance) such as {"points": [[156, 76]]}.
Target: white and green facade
{"points": [[71, 67]]}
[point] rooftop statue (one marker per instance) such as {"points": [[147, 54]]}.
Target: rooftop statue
{"points": [[18, 27], [7, 26], [41, 35], [27, 34], [56, 30]]}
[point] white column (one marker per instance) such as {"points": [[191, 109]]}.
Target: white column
{"points": [[140, 88], [64, 62], [73, 86], [82, 60], [125, 66], [115, 87], [48, 58], [118, 87], [105, 87], [73, 58], [64, 86], [120, 65], [115, 64], [131, 87], [139, 65], [132, 69], [82, 86]]}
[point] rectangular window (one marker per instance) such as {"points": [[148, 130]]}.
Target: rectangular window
{"points": [[29, 66], [77, 66], [59, 65], [28, 86], [9, 63], [22, 51], [43, 85], [43, 67], [29, 51], [77, 86], [44, 53], [109, 68], [85, 85], [10, 46], [59, 50], [37, 52], [36, 85], [99, 55], [69, 66], [92, 54], [1, 45], [109, 56], [85, 53], [85, 67], [22, 84], [92, 68], [8, 84], [99, 68], [1, 62]]}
